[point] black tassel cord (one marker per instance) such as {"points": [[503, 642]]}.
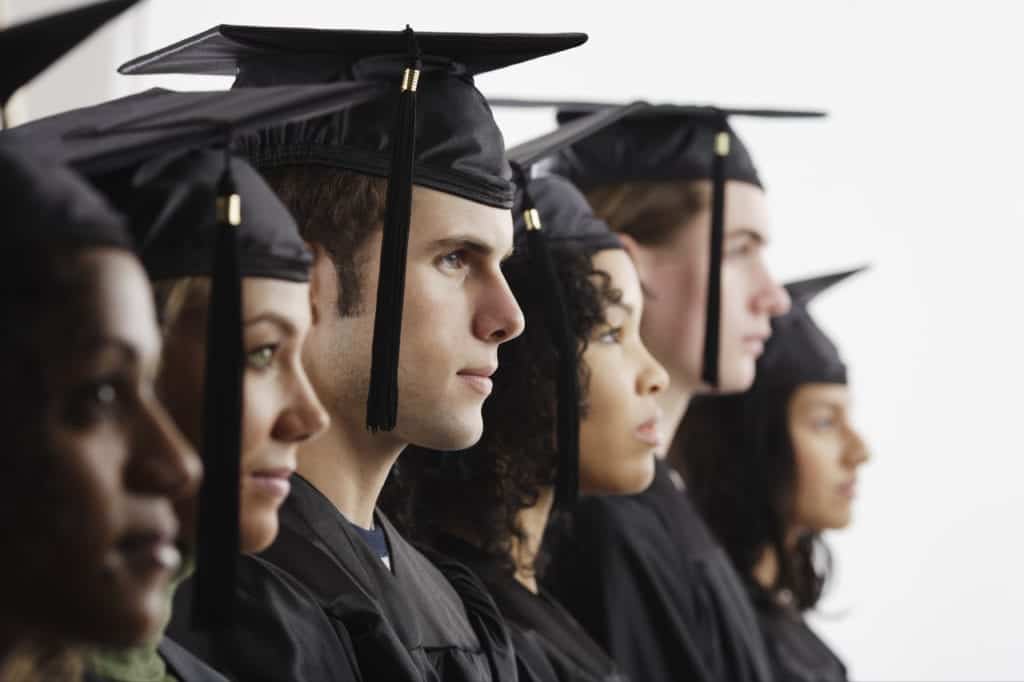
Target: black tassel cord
{"points": [[218, 534], [560, 327], [712, 328], [382, 400]]}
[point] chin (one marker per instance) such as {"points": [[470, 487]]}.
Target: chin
{"points": [[258, 534], [452, 430]]}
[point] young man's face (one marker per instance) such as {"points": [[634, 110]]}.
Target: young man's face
{"points": [[675, 276], [458, 310]]}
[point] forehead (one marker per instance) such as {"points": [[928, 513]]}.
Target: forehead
{"points": [[113, 301], [821, 394], [283, 299], [746, 208], [438, 216], [617, 264]]}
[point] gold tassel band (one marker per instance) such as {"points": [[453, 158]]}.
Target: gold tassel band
{"points": [[410, 80], [722, 144], [532, 218], [229, 210]]}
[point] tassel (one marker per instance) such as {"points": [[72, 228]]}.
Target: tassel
{"points": [[712, 328], [382, 399], [219, 535], [560, 328]]}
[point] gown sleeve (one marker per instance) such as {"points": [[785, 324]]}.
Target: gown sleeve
{"points": [[623, 593], [281, 633]]}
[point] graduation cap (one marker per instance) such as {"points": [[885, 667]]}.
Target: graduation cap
{"points": [[552, 211], [27, 49], [661, 143], [436, 130], [798, 351], [50, 205], [199, 214]]}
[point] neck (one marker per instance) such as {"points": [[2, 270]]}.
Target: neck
{"points": [[349, 465], [766, 570], [532, 521], [673, 403]]}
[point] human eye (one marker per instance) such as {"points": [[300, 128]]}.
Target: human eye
{"points": [[96, 399], [262, 357], [453, 260], [611, 335]]}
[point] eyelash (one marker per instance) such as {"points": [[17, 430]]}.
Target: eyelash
{"points": [[97, 399], [744, 249], [459, 255], [253, 357]]}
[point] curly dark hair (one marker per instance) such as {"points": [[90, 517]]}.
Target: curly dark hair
{"points": [[736, 455], [478, 493]]}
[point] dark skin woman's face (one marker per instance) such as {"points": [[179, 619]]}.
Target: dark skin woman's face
{"points": [[98, 467]]}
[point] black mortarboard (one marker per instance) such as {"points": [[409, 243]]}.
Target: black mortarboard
{"points": [[27, 49], [437, 131], [668, 142], [50, 205], [551, 211], [798, 351], [199, 213]]}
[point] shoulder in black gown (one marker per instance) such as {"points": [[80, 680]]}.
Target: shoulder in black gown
{"points": [[645, 578], [796, 653], [334, 601], [550, 645]]}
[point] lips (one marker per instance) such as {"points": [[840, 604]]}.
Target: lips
{"points": [[755, 343], [849, 489], [148, 548], [271, 481], [479, 378], [647, 432]]}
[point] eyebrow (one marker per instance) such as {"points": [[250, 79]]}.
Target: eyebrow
{"points": [[470, 243], [283, 323]]}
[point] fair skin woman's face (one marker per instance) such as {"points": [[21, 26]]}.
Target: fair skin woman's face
{"points": [[93, 546], [675, 277], [280, 409], [828, 451], [619, 435]]}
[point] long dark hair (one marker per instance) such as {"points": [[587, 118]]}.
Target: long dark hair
{"points": [[736, 455], [478, 493]]}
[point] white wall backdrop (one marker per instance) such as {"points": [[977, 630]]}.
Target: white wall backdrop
{"points": [[917, 171]]}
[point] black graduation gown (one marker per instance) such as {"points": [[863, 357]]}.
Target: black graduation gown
{"points": [[184, 666], [645, 578], [550, 645], [796, 653], [419, 622], [276, 620]]}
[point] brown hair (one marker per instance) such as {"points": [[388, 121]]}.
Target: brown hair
{"points": [[338, 210], [651, 212]]}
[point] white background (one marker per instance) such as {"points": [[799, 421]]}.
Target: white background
{"points": [[917, 171]]}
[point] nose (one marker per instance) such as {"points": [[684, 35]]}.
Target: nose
{"points": [[162, 462], [771, 298], [652, 378], [856, 452], [305, 416], [498, 318]]}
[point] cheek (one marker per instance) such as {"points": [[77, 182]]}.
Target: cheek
{"points": [[180, 386], [263, 397], [673, 321], [436, 321]]}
